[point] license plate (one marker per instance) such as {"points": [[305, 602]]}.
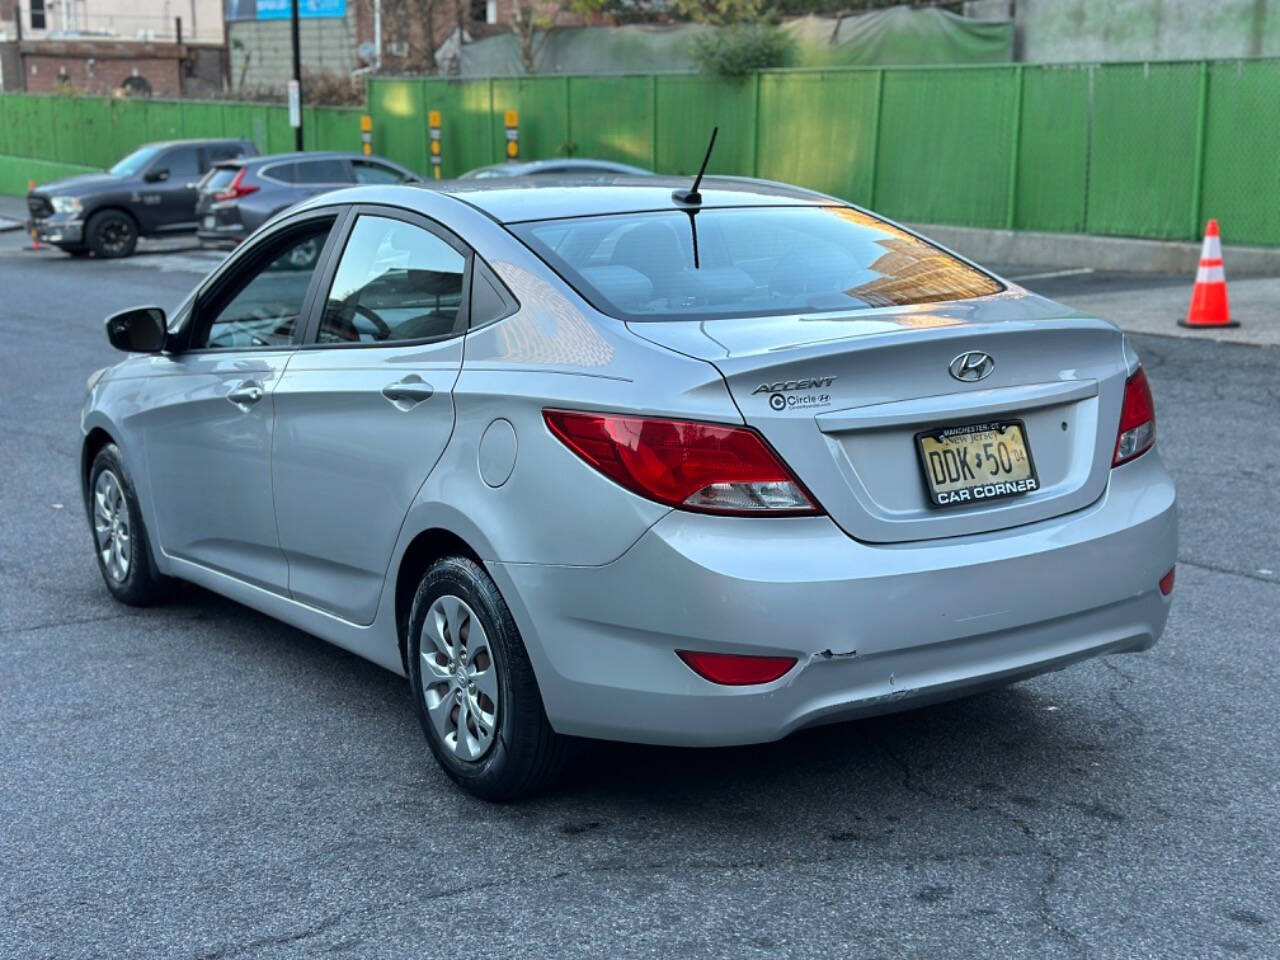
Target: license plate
{"points": [[976, 463], [209, 221]]}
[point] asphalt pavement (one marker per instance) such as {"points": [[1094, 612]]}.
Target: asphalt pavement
{"points": [[199, 781]]}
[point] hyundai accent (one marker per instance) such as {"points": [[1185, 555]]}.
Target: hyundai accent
{"points": [[627, 461]]}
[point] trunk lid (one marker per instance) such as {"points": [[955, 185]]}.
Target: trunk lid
{"points": [[842, 398]]}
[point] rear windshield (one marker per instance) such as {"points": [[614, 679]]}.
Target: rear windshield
{"points": [[750, 261], [219, 178]]}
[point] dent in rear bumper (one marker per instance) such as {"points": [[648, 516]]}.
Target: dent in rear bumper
{"points": [[874, 628]]}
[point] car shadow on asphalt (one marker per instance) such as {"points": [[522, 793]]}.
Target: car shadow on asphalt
{"points": [[1005, 746]]}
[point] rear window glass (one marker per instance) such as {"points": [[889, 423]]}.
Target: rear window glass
{"points": [[309, 171], [322, 171], [749, 262], [219, 178]]}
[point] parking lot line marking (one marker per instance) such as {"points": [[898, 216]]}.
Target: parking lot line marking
{"points": [[1076, 272]]}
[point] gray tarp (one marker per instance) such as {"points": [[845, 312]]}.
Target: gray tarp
{"points": [[897, 35]]}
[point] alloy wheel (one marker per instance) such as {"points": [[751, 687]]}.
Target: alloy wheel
{"points": [[459, 678], [116, 235], [111, 526]]}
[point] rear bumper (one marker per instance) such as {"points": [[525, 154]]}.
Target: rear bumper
{"points": [[229, 234], [874, 628], [220, 223]]}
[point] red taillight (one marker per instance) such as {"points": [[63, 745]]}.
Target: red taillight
{"points": [[1166, 582], [735, 670], [236, 188], [706, 467], [1137, 420]]}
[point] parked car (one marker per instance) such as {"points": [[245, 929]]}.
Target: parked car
{"points": [[238, 196], [624, 462], [563, 168], [150, 193]]}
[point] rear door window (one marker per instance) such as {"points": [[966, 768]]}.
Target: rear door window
{"points": [[183, 163], [222, 151], [322, 171], [282, 172], [370, 171]]}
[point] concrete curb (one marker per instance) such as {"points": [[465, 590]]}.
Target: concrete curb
{"points": [[1069, 250], [6, 224]]}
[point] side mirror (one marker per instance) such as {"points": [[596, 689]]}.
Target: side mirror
{"points": [[155, 176], [137, 330]]}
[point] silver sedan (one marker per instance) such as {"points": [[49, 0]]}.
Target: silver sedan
{"points": [[626, 461]]}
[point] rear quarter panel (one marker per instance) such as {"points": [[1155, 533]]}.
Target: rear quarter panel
{"points": [[554, 352]]}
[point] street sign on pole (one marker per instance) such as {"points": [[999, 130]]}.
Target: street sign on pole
{"points": [[295, 85], [295, 104]]}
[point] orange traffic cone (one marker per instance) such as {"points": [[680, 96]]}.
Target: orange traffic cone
{"points": [[35, 237], [1209, 298]]}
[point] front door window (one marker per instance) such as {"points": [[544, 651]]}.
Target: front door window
{"points": [[262, 306]]}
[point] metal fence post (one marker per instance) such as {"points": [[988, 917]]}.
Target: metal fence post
{"points": [[1197, 176], [493, 122], [568, 145], [755, 129], [875, 138], [1015, 148], [653, 124]]}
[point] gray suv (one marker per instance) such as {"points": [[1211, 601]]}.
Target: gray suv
{"points": [[238, 196]]}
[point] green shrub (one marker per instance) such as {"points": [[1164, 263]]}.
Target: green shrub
{"points": [[736, 51]]}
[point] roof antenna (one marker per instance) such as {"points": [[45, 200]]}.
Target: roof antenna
{"points": [[693, 196]]}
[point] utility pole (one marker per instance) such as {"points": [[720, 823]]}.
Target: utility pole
{"points": [[295, 86], [22, 61]]}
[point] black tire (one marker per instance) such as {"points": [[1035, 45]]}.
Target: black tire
{"points": [[141, 585], [111, 234], [525, 754]]}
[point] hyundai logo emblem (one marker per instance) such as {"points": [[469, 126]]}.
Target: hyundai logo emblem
{"points": [[972, 366]]}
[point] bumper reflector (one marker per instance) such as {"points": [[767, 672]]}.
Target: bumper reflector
{"points": [[734, 670], [1166, 582]]}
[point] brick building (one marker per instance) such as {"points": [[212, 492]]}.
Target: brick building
{"points": [[171, 48]]}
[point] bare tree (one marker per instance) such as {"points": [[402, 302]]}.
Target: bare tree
{"points": [[533, 22], [427, 13]]}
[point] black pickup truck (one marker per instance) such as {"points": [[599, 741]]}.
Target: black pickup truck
{"points": [[151, 192]]}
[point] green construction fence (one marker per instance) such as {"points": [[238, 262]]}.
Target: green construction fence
{"points": [[1120, 149], [43, 137], [1144, 150]]}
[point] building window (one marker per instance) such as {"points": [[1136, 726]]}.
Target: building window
{"points": [[37, 14]]}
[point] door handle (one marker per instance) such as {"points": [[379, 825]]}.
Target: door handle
{"points": [[408, 392], [246, 394]]}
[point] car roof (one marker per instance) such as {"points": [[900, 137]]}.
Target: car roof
{"points": [[197, 142], [307, 155], [271, 158], [514, 199], [516, 168]]}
